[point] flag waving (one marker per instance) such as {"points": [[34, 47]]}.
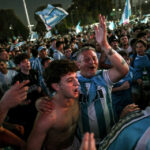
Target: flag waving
{"points": [[126, 13], [52, 16], [78, 28]]}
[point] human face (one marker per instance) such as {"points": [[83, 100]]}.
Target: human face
{"points": [[114, 45], [140, 49], [4, 56], [126, 58], [3, 67], [43, 53], [69, 85], [61, 47], [68, 52], [47, 63], [124, 40], [72, 46], [25, 66], [88, 63]]}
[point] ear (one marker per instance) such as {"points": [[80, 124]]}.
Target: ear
{"points": [[55, 86]]}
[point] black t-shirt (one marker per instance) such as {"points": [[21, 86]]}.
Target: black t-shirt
{"points": [[25, 114]]}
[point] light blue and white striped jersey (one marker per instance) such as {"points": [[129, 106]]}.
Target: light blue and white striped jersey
{"points": [[96, 113], [36, 65], [144, 142], [127, 134]]}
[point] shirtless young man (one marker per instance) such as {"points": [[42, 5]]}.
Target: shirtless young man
{"points": [[55, 130]]}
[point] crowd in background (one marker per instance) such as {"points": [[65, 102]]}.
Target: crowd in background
{"points": [[28, 62]]}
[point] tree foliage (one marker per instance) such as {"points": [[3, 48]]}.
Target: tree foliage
{"points": [[11, 26], [85, 11]]}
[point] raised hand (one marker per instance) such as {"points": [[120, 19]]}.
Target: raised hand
{"points": [[101, 33], [16, 94], [129, 108], [88, 142], [44, 104]]}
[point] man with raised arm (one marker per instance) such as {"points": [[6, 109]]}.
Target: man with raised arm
{"points": [[96, 113]]}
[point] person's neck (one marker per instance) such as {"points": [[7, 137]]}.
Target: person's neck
{"points": [[4, 72], [125, 46], [60, 50], [62, 101], [25, 72]]}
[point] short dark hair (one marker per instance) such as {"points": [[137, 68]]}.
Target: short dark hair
{"points": [[56, 70], [143, 42], [58, 43], [20, 57], [67, 47], [123, 53], [44, 60], [141, 34]]}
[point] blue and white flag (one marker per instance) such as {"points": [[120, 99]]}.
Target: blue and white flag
{"points": [[145, 20], [34, 36], [78, 28], [126, 13], [111, 25], [52, 16], [48, 35], [20, 43]]}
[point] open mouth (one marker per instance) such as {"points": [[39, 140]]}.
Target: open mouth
{"points": [[92, 67], [76, 90]]}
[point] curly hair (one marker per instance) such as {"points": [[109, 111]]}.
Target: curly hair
{"points": [[56, 70], [19, 58]]}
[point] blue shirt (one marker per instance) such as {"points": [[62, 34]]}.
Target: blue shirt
{"points": [[122, 98]]}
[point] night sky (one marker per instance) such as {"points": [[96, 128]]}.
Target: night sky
{"points": [[32, 5]]}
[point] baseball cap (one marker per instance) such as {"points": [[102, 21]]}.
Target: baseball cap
{"points": [[113, 38], [41, 47]]}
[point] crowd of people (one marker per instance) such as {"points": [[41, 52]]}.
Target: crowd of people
{"points": [[87, 91]]}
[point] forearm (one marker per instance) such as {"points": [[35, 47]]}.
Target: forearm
{"points": [[3, 111], [7, 138], [118, 63], [124, 86]]}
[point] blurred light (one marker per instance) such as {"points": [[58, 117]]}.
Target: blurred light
{"points": [[113, 9]]}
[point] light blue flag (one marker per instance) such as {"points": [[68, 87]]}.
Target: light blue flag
{"points": [[48, 35], [111, 25], [126, 13], [145, 20], [78, 28], [20, 43], [52, 16], [34, 36]]}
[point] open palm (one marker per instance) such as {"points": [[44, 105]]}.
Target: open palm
{"points": [[100, 31]]}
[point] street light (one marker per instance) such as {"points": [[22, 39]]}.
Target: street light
{"points": [[114, 13], [146, 1]]}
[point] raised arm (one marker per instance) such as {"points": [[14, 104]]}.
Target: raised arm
{"points": [[120, 67]]}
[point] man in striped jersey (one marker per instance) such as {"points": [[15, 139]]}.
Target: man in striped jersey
{"points": [[96, 114]]}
